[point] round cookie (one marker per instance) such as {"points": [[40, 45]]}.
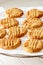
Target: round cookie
{"points": [[2, 33], [14, 12], [35, 33], [32, 23], [17, 31], [34, 13], [8, 22], [10, 43], [33, 45]]}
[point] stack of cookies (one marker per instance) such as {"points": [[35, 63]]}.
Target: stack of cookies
{"points": [[10, 27], [33, 24], [11, 32]]}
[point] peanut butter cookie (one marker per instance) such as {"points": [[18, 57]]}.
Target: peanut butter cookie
{"points": [[33, 45], [17, 31], [10, 43], [14, 12], [34, 13], [36, 33], [8, 22], [32, 23]]}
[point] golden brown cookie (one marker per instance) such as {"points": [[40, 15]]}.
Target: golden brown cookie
{"points": [[35, 33], [17, 31], [8, 22], [2, 33], [14, 12], [34, 13], [32, 23], [33, 45], [10, 43]]}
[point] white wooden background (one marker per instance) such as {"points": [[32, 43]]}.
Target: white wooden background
{"points": [[5, 60]]}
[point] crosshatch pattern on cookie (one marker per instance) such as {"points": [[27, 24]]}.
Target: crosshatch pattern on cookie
{"points": [[33, 45], [32, 23], [34, 13], [10, 43], [35, 33], [14, 12], [9, 22], [17, 31]]}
